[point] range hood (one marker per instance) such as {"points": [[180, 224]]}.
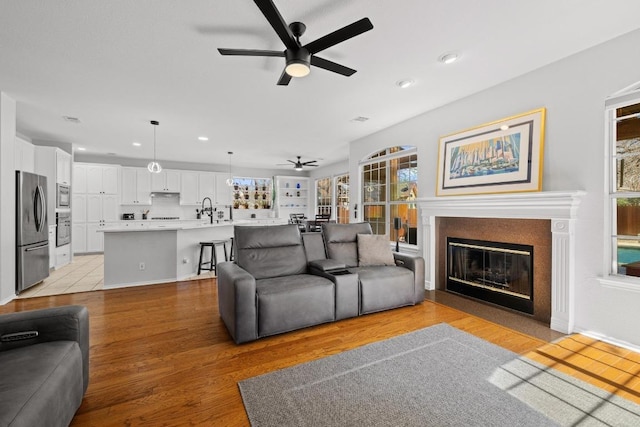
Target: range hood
{"points": [[164, 194]]}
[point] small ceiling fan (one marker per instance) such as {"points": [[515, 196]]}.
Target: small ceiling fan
{"points": [[299, 58], [298, 165]]}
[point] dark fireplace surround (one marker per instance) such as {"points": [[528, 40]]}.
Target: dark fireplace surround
{"points": [[530, 232]]}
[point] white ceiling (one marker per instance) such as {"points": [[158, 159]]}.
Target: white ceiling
{"points": [[118, 64]]}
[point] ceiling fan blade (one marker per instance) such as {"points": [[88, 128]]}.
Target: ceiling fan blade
{"points": [[291, 161], [281, 28], [284, 80], [331, 66], [338, 36], [309, 163], [250, 52]]}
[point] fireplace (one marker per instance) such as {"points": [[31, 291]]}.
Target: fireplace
{"points": [[499, 273], [557, 209]]}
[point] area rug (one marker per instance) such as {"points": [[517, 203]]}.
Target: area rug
{"points": [[437, 376]]}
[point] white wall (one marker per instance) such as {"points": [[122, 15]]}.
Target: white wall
{"points": [[573, 91], [8, 194]]}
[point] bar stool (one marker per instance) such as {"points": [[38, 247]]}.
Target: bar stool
{"points": [[213, 262], [232, 256]]}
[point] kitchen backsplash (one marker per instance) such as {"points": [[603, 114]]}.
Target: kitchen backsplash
{"points": [[170, 207]]}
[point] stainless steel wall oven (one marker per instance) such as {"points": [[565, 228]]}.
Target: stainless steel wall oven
{"points": [[63, 228]]}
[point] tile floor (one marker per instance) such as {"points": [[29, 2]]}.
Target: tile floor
{"points": [[85, 273]]}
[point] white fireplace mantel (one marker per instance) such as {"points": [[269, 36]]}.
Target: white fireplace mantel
{"points": [[559, 207]]}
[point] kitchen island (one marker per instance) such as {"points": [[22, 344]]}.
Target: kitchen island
{"points": [[141, 254]]}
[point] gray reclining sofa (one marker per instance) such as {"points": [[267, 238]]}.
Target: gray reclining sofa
{"points": [[44, 365], [280, 282]]}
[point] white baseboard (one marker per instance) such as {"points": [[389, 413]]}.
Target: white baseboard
{"points": [[610, 340]]}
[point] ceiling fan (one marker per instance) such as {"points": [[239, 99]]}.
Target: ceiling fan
{"points": [[298, 165], [299, 58]]}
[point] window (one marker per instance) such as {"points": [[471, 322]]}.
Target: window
{"points": [[324, 196], [624, 186], [251, 193], [389, 185], [342, 199]]}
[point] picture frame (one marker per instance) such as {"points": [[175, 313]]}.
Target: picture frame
{"points": [[504, 156]]}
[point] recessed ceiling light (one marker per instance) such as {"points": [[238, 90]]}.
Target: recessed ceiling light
{"points": [[448, 58], [72, 119], [136, 144], [203, 138], [360, 119], [81, 149], [405, 83]]}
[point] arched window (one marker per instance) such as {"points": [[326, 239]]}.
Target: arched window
{"points": [[389, 188]]}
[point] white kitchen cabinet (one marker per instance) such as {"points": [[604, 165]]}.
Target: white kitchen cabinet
{"points": [[52, 246], [207, 186], [136, 186], [79, 180], [24, 155], [102, 207], [102, 179], [167, 181], [79, 208], [223, 191], [189, 189], [95, 239], [63, 167], [195, 186], [63, 255], [79, 237]]}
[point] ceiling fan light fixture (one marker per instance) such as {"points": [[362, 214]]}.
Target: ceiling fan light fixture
{"points": [[298, 62], [298, 168], [154, 166]]}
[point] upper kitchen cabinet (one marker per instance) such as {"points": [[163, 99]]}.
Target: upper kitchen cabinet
{"points": [[102, 179], [25, 156], [63, 167], [167, 181], [79, 185], [189, 187], [195, 186], [207, 186], [223, 191], [136, 186]]}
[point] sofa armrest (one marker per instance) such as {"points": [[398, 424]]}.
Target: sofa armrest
{"points": [[326, 265], [237, 302], [416, 264], [65, 323]]}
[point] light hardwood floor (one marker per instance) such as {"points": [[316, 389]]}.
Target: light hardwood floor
{"points": [[160, 355]]}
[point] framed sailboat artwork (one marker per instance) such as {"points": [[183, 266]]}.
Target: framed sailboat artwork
{"points": [[504, 156]]}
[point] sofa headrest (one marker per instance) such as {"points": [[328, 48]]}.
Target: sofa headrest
{"points": [[341, 241], [270, 251], [266, 236], [345, 233]]}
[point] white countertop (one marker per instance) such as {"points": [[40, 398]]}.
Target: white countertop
{"points": [[174, 225]]}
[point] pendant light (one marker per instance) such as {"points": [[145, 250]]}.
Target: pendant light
{"points": [[154, 166], [230, 179]]}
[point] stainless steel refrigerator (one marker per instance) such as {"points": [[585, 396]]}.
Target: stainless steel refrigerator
{"points": [[32, 230]]}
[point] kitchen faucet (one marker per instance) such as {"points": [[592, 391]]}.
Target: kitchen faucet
{"points": [[209, 210]]}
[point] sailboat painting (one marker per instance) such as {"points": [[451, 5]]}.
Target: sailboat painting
{"points": [[502, 156]]}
